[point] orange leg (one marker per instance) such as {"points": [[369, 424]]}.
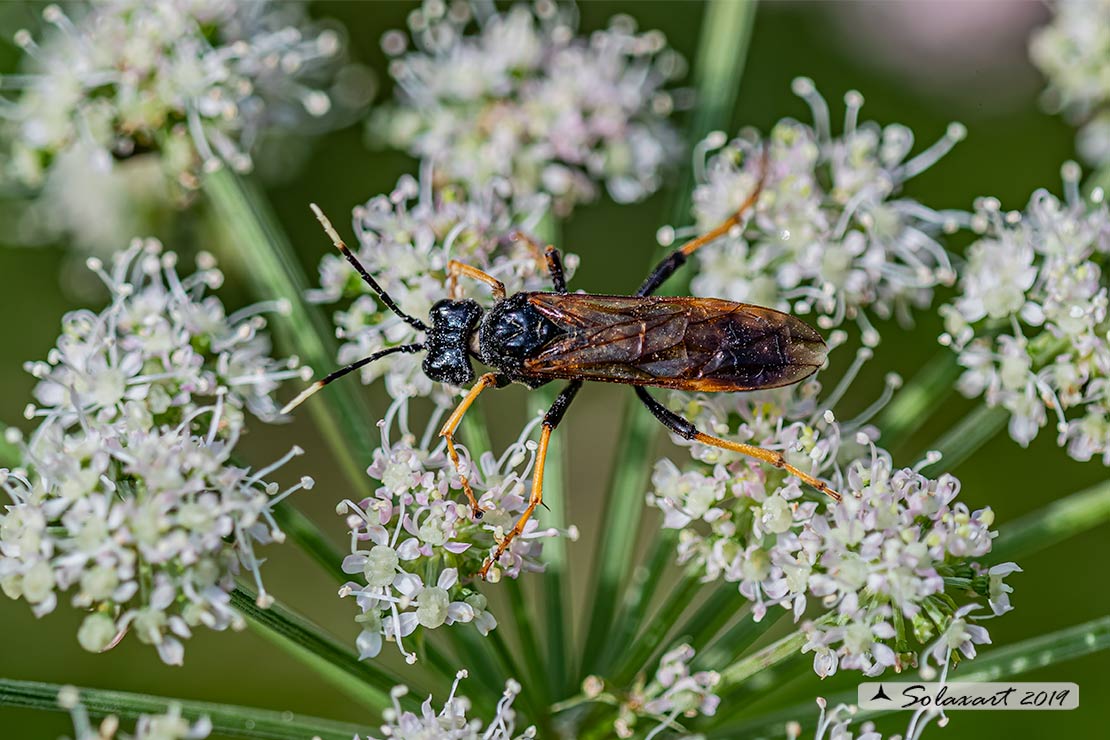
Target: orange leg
{"points": [[448, 433], [456, 268], [771, 457], [534, 500], [677, 258], [684, 428], [550, 421], [546, 257]]}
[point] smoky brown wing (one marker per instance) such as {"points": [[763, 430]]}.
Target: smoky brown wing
{"points": [[699, 344]]}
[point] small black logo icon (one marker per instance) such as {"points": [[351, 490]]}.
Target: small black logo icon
{"points": [[881, 694]]}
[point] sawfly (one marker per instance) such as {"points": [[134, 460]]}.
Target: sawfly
{"points": [[642, 340]]}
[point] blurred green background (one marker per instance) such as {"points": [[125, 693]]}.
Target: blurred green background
{"points": [[922, 64]]}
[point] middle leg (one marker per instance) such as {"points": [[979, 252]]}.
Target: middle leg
{"points": [[676, 259], [550, 421], [551, 258], [685, 429], [452, 423]]}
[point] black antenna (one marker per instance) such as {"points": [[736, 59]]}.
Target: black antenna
{"points": [[334, 235], [307, 392]]}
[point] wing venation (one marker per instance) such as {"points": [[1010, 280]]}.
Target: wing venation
{"points": [[703, 344]]}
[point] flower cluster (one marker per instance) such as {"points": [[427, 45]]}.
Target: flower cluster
{"points": [[415, 544], [829, 234], [885, 563], [130, 499], [450, 723], [168, 726], [197, 82], [673, 692], [1073, 52], [526, 99], [836, 724], [1030, 319], [406, 239]]}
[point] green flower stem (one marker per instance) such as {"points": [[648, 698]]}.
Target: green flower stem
{"points": [[1060, 520], [635, 656], [761, 660], [526, 633], [272, 271], [620, 523], [639, 592], [310, 538], [918, 399], [557, 664], [965, 438], [722, 50], [367, 683], [997, 665], [473, 651], [710, 618], [735, 641], [555, 595], [227, 720]]}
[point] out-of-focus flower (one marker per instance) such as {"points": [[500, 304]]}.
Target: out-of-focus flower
{"points": [[405, 240], [879, 564], [130, 500], [1073, 52], [415, 547], [451, 723], [675, 691], [120, 107], [526, 99], [829, 234], [197, 82], [168, 726], [1030, 321]]}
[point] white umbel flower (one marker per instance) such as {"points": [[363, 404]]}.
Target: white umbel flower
{"points": [[875, 572], [130, 503], [522, 97], [1073, 52], [198, 82], [451, 722], [830, 234], [415, 547], [1030, 321]]}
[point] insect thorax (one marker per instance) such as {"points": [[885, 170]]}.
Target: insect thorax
{"points": [[511, 332], [453, 322]]}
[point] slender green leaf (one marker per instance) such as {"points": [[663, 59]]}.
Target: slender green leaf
{"points": [[635, 656], [1054, 523], [273, 272], [722, 50], [522, 621], [365, 682], [710, 618], [645, 579], [772, 655], [227, 719], [996, 665], [735, 641]]}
